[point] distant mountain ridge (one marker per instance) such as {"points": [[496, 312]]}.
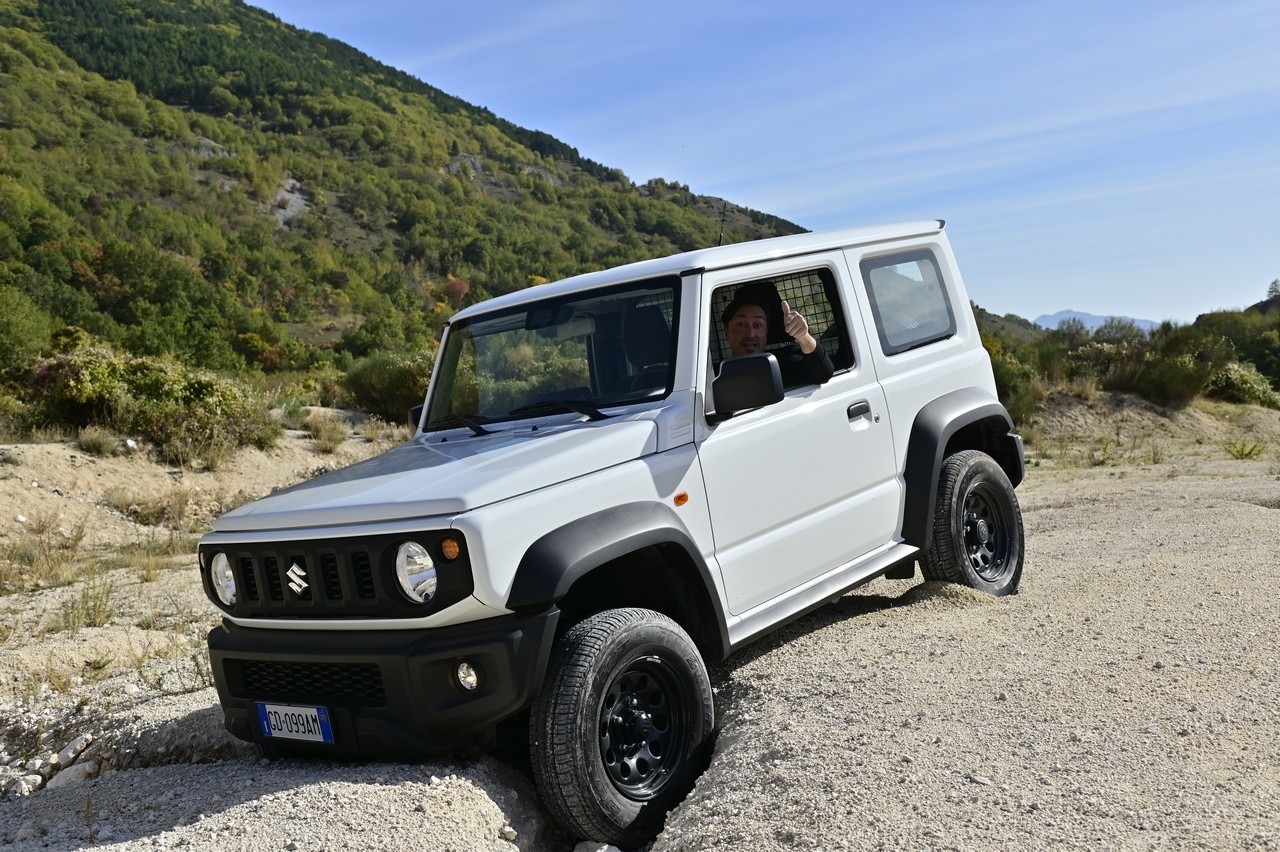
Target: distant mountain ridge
{"points": [[1091, 321]]}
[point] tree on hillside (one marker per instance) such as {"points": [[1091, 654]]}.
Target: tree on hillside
{"points": [[1274, 290], [1118, 330], [1074, 332]]}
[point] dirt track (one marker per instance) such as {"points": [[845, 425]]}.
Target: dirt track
{"points": [[1125, 698]]}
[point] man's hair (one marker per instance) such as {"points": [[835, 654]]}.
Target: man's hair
{"points": [[764, 297]]}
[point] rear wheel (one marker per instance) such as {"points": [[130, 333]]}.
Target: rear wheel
{"points": [[619, 732], [977, 526]]}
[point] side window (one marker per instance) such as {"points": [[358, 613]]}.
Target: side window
{"points": [[908, 300], [812, 292]]}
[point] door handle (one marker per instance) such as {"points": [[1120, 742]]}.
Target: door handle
{"points": [[861, 408]]}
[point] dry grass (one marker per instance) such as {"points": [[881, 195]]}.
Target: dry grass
{"points": [[376, 429], [97, 441], [170, 509], [180, 664], [153, 553], [1243, 449], [44, 553], [328, 431], [92, 608]]}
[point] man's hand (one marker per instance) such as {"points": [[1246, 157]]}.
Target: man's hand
{"points": [[797, 326]]}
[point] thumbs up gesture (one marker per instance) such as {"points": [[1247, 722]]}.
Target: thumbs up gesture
{"points": [[794, 323]]}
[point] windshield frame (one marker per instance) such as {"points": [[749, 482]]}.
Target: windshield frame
{"points": [[604, 350]]}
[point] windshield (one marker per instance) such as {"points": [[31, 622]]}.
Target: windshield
{"points": [[579, 353]]}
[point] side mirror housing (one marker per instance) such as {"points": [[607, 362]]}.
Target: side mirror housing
{"points": [[749, 381]]}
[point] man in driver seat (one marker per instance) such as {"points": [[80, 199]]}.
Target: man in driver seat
{"points": [[747, 323]]}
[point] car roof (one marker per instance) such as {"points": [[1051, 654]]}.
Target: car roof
{"points": [[718, 257]]}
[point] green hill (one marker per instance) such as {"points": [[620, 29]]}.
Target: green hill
{"points": [[203, 180]]}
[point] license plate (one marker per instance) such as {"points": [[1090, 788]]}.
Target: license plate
{"points": [[291, 722]]}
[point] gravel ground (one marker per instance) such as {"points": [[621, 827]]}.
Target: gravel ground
{"points": [[1126, 698]]}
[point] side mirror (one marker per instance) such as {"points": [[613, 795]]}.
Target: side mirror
{"points": [[750, 381], [415, 416]]}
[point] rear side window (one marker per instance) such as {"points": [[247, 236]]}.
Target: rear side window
{"points": [[908, 300]]}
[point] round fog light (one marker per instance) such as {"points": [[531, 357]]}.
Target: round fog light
{"points": [[416, 572], [222, 579], [468, 677]]}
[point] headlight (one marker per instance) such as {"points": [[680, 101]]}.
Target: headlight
{"points": [[222, 580], [416, 572]]}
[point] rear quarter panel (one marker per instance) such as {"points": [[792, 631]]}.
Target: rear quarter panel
{"points": [[912, 379]]}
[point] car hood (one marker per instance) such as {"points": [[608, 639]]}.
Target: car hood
{"points": [[430, 478]]}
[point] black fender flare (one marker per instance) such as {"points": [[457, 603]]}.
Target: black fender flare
{"points": [[557, 560], [931, 433]]}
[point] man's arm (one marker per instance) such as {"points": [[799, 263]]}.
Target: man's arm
{"points": [[813, 366]]}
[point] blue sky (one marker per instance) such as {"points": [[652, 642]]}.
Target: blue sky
{"points": [[1110, 157]]}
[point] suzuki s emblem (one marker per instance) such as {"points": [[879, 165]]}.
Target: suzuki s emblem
{"points": [[297, 579]]}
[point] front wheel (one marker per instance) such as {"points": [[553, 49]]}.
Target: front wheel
{"points": [[618, 733], [977, 526]]}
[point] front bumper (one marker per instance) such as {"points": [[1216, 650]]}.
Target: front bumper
{"points": [[390, 693]]}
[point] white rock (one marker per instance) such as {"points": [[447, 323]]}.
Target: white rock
{"points": [[595, 846], [26, 785], [68, 755], [74, 774], [22, 519]]}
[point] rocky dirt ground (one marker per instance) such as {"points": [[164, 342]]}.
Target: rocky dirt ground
{"points": [[1125, 698]]}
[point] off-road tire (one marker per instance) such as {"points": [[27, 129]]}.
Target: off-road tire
{"points": [[621, 727], [977, 526]]}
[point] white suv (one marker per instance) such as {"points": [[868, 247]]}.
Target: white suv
{"points": [[600, 500]]}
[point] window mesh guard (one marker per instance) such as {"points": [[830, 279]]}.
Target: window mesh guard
{"points": [[807, 292]]}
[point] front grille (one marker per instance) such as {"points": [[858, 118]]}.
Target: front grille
{"points": [[357, 684], [330, 577], [336, 578], [249, 579], [364, 576], [271, 568]]}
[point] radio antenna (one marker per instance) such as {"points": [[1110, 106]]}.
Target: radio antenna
{"points": [[723, 210]]}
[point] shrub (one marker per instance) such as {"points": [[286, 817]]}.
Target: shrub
{"points": [[389, 385], [189, 414], [292, 414], [1172, 381], [327, 431], [1240, 381], [1171, 368], [1243, 449], [13, 419], [97, 441], [1016, 384]]}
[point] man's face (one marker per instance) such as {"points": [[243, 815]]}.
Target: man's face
{"points": [[747, 331]]}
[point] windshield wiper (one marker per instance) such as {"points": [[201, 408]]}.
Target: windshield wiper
{"points": [[450, 420], [548, 406]]}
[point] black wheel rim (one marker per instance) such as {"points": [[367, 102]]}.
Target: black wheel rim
{"points": [[644, 727], [987, 524]]}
